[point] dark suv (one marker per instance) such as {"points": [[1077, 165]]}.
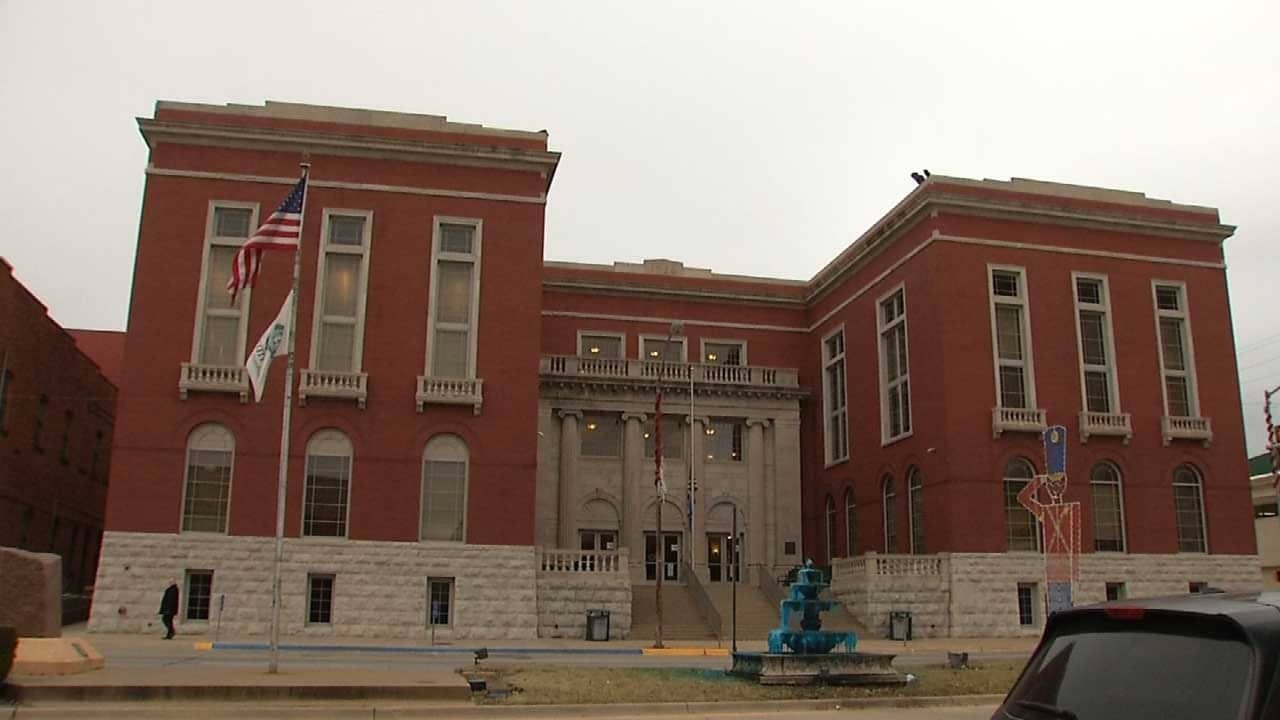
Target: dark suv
{"points": [[1199, 657]]}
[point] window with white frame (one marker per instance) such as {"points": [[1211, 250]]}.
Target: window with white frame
{"points": [[206, 496], [724, 352], [440, 601], [833, 397], [888, 496], [652, 348], [605, 346], [340, 291], [1177, 364], [850, 524], [444, 489], [199, 594], [455, 298], [319, 599], [915, 506], [1188, 505], [1022, 531], [1108, 508], [328, 485], [1093, 332], [895, 394], [831, 529], [1015, 381], [221, 324]]}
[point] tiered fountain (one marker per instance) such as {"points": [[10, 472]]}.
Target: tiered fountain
{"points": [[804, 656]]}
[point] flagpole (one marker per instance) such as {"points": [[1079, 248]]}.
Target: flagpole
{"points": [[282, 483]]}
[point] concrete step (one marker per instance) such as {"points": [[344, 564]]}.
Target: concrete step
{"points": [[681, 619]]}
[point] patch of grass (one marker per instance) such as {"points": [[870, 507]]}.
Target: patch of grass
{"points": [[575, 685]]}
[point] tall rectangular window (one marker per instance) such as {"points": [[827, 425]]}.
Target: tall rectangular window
{"points": [[340, 291], [673, 437], [455, 298], [895, 395], [1093, 334], [1011, 332], [605, 346], [439, 601], [6, 379], [724, 352], [723, 442], [1027, 604], [1177, 365], [659, 347], [328, 487], [319, 599], [833, 397], [602, 435], [221, 324], [199, 594]]}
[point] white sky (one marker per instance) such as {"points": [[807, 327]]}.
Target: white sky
{"points": [[749, 138]]}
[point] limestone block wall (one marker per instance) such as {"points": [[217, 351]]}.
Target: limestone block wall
{"points": [[874, 585], [565, 597], [380, 588]]}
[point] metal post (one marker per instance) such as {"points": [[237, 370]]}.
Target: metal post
{"points": [[733, 590], [282, 482], [659, 483], [1273, 442], [217, 629], [693, 487]]}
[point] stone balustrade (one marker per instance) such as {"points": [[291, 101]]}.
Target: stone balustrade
{"points": [[213, 378], [1017, 420], [1098, 423], [450, 391], [333, 384], [581, 561], [678, 373], [1177, 427]]}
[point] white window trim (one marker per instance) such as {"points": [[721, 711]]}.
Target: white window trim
{"points": [[702, 348], [887, 505], [682, 339], [351, 486], [1111, 368], [333, 594], [829, 460], [850, 522], [1124, 529], [913, 472], [422, 488], [366, 249], [453, 595], [1024, 301], [904, 375], [186, 469], [1204, 524], [197, 332], [473, 257], [1193, 387], [621, 336]]}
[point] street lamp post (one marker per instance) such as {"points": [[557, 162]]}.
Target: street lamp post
{"points": [[676, 328]]}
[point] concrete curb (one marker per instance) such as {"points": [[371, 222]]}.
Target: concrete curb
{"points": [[234, 693], [444, 650], [436, 711]]}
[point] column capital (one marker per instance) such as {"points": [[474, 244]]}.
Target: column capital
{"points": [[633, 416], [569, 413], [762, 422], [689, 420]]}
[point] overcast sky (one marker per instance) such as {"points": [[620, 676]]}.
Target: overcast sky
{"points": [[749, 138]]}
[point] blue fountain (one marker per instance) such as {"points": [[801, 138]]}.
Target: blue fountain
{"points": [[804, 656]]}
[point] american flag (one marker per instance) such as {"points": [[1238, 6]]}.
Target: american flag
{"points": [[279, 232]]}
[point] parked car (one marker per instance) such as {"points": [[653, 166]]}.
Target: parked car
{"points": [[1195, 656]]}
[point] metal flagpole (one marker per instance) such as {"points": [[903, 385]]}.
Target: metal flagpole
{"points": [[282, 483], [693, 488]]}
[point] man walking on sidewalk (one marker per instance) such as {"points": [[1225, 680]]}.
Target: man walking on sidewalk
{"points": [[169, 607]]}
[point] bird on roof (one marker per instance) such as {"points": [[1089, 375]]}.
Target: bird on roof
{"points": [[918, 178]]}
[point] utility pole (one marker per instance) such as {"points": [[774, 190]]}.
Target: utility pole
{"points": [[1273, 441], [659, 483]]}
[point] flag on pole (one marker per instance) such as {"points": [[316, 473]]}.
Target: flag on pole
{"points": [[273, 343], [279, 232], [662, 480]]}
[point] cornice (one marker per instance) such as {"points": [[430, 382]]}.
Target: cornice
{"points": [[619, 386], [601, 288]]}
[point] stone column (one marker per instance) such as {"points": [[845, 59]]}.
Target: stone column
{"points": [[698, 463], [755, 496], [786, 491], [770, 497], [632, 469], [570, 448]]}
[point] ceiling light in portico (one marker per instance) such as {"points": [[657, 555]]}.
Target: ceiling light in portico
{"points": [[595, 351], [591, 426], [712, 357]]}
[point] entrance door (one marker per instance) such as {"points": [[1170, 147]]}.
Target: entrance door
{"points": [[670, 556], [723, 561]]}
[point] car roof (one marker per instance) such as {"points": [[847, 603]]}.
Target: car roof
{"points": [[1254, 612]]}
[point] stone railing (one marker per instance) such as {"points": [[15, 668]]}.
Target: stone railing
{"points": [[450, 391], [1016, 420], [702, 598], [1097, 423], [213, 378], [752, 376], [582, 561], [333, 384], [1175, 427], [773, 592], [914, 565]]}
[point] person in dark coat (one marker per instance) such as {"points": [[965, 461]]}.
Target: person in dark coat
{"points": [[169, 607]]}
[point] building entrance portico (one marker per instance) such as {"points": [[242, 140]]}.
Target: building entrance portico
{"points": [[670, 556], [724, 557]]}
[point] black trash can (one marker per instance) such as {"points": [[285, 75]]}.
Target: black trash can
{"points": [[597, 624], [900, 625]]}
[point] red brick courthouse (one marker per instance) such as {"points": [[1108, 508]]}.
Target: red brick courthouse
{"points": [[473, 434]]}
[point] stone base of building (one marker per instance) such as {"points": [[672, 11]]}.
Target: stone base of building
{"points": [[977, 594], [380, 589]]}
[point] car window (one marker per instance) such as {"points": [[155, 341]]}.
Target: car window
{"points": [[1168, 667]]}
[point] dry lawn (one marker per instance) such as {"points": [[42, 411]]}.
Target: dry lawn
{"points": [[573, 685]]}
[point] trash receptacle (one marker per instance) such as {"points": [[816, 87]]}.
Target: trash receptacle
{"points": [[899, 625], [597, 624]]}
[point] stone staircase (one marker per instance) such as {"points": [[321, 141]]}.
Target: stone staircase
{"points": [[757, 616], [681, 619]]}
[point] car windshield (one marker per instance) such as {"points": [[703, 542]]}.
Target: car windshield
{"points": [[1170, 667]]}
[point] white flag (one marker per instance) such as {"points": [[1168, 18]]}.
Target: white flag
{"points": [[273, 343]]}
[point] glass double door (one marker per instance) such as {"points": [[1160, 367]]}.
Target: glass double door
{"points": [[724, 560], [670, 556]]}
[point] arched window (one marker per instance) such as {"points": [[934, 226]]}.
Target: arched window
{"points": [[831, 529], [915, 503], [1022, 532], [887, 496], [206, 495], [1108, 508], [444, 489], [1188, 504], [328, 488], [850, 524]]}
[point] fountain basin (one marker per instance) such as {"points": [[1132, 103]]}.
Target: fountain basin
{"points": [[855, 668]]}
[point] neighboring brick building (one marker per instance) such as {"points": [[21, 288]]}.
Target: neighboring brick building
{"points": [[474, 428], [56, 419], [1266, 524]]}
